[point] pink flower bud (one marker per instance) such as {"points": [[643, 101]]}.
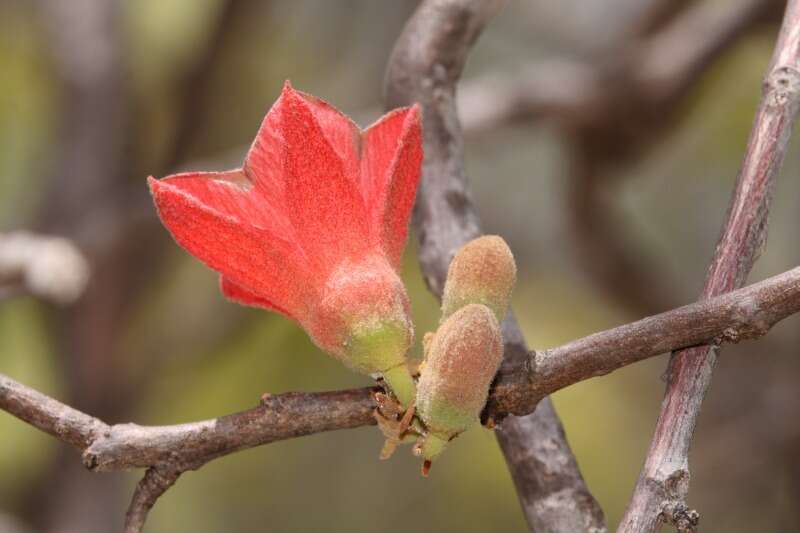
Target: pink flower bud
{"points": [[463, 357]]}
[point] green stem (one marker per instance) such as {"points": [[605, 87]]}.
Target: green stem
{"points": [[402, 384], [433, 446]]}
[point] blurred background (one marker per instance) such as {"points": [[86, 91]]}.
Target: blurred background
{"points": [[603, 141]]}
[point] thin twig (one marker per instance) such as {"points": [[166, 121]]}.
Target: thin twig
{"points": [[743, 314], [153, 485], [664, 481]]}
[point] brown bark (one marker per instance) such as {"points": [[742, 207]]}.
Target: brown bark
{"points": [[743, 314], [425, 67], [663, 485]]}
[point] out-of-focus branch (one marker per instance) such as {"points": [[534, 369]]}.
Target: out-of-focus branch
{"points": [[668, 63], [9, 524], [191, 89], [613, 110], [425, 67], [654, 15], [193, 85], [732, 317], [51, 268], [635, 101], [548, 89], [663, 485], [625, 95], [605, 250], [88, 199], [97, 197]]}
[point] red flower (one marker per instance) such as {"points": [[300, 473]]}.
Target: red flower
{"points": [[313, 225]]}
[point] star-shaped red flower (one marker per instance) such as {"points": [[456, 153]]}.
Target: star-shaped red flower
{"points": [[313, 225]]}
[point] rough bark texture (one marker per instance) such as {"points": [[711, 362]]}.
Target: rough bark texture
{"points": [[425, 67], [171, 450], [551, 503], [155, 482], [662, 488]]}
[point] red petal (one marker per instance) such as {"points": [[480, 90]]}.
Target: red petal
{"points": [[390, 171], [324, 204], [342, 133], [264, 163], [240, 295], [232, 194], [204, 218]]}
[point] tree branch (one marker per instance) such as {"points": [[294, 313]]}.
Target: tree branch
{"points": [[741, 315], [155, 482], [425, 67], [171, 450], [664, 481]]}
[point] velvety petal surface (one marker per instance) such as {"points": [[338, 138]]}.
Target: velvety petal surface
{"points": [[314, 223], [210, 227], [390, 169], [232, 194], [342, 134], [244, 296], [323, 203]]}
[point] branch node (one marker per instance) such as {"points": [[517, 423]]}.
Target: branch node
{"points": [[89, 460], [679, 515], [782, 86], [676, 484], [153, 485]]}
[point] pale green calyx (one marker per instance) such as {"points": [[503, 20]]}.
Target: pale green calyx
{"points": [[380, 347]]}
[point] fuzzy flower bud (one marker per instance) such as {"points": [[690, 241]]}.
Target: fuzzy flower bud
{"points": [[482, 272], [462, 360]]}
